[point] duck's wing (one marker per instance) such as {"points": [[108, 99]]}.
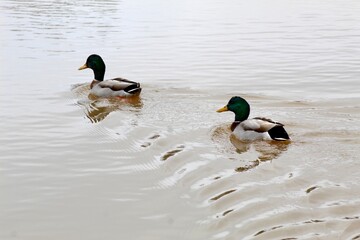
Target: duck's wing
{"points": [[259, 124], [274, 129], [121, 84]]}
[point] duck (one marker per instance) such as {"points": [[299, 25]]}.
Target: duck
{"points": [[116, 87], [258, 128]]}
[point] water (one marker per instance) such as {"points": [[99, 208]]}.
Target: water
{"points": [[163, 166]]}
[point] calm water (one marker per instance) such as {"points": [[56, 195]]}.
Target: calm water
{"points": [[163, 166]]}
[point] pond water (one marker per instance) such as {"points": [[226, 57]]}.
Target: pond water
{"points": [[164, 166]]}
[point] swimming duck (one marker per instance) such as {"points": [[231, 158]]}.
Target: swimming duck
{"points": [[252, 129], [116, 87]]}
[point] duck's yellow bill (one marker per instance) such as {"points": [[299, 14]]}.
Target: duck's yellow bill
{"points": [[223, 109], [83, 67]]}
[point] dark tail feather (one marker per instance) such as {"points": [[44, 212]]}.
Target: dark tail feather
{"points": [[133, 89], [278, 133]]}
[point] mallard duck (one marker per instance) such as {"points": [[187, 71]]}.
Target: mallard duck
{"points": [[252, 129], [116, 87]]}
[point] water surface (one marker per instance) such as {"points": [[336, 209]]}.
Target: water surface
{"points": [[164, 166]]}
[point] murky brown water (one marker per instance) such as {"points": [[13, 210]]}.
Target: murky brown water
{"points": [[163, 166]]}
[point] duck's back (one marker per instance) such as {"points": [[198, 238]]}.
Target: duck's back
{"points": [[117, 87]]}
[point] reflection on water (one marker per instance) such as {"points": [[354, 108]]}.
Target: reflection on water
{"points": [[268, 150], [97, 109]]}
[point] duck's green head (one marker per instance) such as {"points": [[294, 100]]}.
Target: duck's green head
{"points": [[95, 63], [239, 106]]}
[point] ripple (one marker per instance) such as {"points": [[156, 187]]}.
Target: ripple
{"points": [[172, 153]]}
